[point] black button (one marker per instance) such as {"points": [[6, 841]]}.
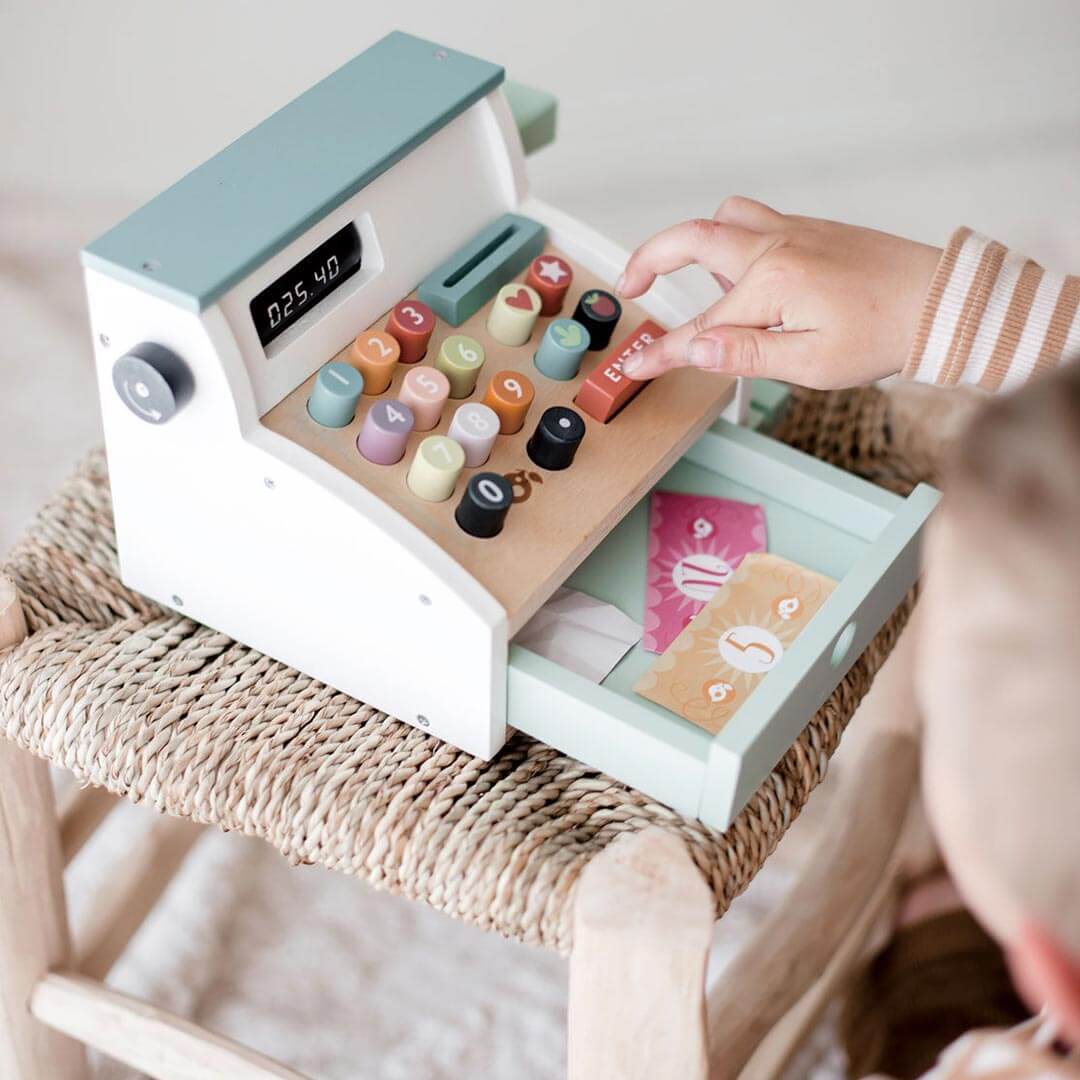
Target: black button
{"points": [[598, 312], [152, 381], [556, 438], [483, 507]]}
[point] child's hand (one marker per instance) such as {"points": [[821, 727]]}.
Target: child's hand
{"points": [[848, 299]]}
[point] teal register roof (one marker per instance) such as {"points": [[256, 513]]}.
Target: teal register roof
{"points": [[209, 230]]}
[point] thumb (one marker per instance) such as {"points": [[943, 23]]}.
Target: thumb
{"points": [[758, 354]]}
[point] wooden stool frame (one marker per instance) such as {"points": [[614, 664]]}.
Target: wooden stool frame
{"points": [[643, 924]]}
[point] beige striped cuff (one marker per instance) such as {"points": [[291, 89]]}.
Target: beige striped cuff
{"points": [[993, 318]]}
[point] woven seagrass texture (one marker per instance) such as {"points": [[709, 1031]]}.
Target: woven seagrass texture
{"points": [[164, 711]]}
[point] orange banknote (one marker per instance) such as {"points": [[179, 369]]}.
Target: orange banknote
{"points": [[718, 661]]}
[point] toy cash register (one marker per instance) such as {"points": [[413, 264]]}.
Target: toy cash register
{"points": [[364, 412]]}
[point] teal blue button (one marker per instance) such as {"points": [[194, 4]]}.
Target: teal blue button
{"points": [[337, 389], [561, 350]]}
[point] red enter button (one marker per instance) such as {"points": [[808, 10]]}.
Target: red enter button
{"points": [[607, 389]]}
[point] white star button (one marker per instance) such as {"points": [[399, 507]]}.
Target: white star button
{"points": [[553, 270]]}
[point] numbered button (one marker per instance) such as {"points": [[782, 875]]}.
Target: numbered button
{"points": [[484, 505], [375, 354], [563, 345], [513, 315], [435, 469], [550, 276], [411, 324], [333, 399], [475, 428], [425, 391], [510, 395], [385, 432], [460, 360]]}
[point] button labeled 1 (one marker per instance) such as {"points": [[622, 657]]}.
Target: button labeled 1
{"points": [[333, 399]]}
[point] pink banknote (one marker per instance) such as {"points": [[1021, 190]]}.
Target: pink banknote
{"points": [[695, 544]]}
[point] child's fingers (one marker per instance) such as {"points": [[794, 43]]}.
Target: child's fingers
{"points": [[749, 214], [743, 306], [727, 250], [790, 356]]}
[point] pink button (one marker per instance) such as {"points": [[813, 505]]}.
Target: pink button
{"points": [[425, 391], [475, 428], [385, 432]]}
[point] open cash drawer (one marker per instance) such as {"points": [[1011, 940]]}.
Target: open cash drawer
{"points": [[864, 537]]}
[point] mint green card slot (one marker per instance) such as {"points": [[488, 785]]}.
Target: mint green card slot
{"points": [[470, 278]]}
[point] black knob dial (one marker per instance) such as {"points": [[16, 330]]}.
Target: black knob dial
{"points": [[484, 505], [153, 382], [598, 312], [556, 438]]}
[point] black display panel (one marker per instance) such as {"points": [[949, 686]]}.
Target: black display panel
{"points": [[312, 279]]}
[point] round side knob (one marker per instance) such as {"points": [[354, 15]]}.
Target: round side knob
{"points": [[153, 382], [556, 438], [483, 508], [599, 312]]}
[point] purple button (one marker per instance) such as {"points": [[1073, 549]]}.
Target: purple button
{"points": [[385, 432]]}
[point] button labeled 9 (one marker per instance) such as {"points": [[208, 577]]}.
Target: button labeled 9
{"points": [[510, 394]]}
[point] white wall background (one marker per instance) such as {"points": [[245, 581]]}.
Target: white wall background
{"points": [[913, 116]]}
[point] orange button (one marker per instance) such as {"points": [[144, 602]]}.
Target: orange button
{"points": [[607, 389], [550, 276], [411, 322], [375, 354], [510, 394]]}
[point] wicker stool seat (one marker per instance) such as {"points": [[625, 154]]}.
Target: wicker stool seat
{"points": [[160, 710]]}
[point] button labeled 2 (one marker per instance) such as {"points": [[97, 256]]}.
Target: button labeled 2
{"points": [[375, 354]]}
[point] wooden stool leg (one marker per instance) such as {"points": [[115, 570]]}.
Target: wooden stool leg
{"points": [[34, 935], [643, 923]]}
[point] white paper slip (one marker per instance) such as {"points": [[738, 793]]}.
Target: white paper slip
{"points": [[586, 635]]}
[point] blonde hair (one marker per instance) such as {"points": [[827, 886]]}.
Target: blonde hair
{"points": [[1013, 740]]}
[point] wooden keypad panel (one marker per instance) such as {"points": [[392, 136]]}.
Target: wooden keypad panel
{"points": [[557, 517]]}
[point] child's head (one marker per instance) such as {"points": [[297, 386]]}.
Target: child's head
{"points": [[999, 681]]}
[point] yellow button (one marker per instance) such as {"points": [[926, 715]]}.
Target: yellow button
{"points": [[513, 315], [460, 360], [435, 468]]}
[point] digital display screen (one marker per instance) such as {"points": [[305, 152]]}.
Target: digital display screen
{"points": [[312, 279]]}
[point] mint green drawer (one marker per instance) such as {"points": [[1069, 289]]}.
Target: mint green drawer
{"points": [[866, 538]]}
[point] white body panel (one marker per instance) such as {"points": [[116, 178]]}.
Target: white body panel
{"points": [[247, 532]]}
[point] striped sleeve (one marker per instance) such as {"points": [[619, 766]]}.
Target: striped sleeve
{"points": [[993, 318]]}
